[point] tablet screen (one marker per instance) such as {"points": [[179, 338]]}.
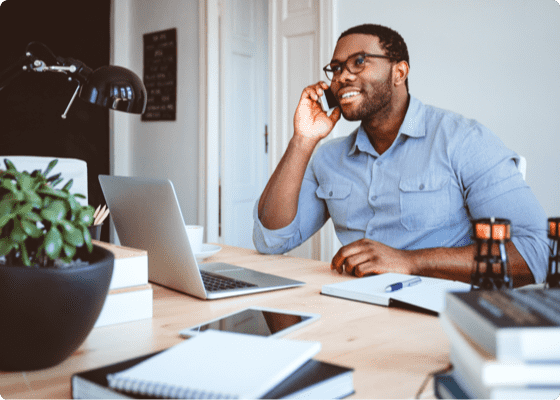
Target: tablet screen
{"points": [[260, 322]]}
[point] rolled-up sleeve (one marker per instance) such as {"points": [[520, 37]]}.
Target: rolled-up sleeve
{"points": [[495, 188], [311, 215]]}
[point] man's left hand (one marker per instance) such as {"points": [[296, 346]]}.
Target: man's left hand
{"points": [[367, 257]]}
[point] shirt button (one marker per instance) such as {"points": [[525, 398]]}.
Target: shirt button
{"points": [[379, 163], [374, 198], [330, 193], [421, 186]]}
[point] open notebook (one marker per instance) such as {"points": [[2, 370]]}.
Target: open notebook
{"points": [[428, 295]]}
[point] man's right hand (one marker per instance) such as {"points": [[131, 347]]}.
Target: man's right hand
{"points": [[310, 121]]}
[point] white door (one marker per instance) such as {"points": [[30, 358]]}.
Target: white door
{"points": [[244, 115], [302, 42]]}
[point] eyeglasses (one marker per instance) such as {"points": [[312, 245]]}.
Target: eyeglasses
{"points": [[354, 64]]}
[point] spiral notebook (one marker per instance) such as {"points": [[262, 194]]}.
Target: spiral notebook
{"points": [[216, 364]]}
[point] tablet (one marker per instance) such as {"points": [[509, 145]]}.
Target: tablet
{"points": [[259, 321]]}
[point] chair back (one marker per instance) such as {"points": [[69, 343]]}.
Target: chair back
{"points": [[69, 168], [522, 166]]}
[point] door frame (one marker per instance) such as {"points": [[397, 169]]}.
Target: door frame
{"points": [[210, 107]]}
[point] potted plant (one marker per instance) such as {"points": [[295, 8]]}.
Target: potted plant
{"points": [[53, 279]]}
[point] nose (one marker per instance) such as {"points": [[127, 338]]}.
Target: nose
{"points": [[346, 75]]}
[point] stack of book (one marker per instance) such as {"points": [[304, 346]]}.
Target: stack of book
{"points": [[503, 344], [130, 296], [217, 364]]}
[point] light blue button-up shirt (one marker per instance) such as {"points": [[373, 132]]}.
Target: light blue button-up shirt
{"points": [[441, 171]]}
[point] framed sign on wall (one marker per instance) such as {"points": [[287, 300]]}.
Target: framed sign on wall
{"points": [[160, 75]]}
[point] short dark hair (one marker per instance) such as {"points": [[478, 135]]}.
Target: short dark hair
{"points": [[391, 41]]}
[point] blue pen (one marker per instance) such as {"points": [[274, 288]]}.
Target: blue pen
{"points": [[400, 285]]}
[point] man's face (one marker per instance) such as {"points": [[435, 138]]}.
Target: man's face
{"points": [[365, 94]]}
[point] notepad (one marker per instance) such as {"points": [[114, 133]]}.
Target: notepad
{"points": [[428, 295], [216, 364]]}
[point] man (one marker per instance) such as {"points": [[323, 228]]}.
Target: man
{"points": [[401, 189]]}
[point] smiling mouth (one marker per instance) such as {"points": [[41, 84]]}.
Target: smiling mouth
{"points": [[349, 96]]}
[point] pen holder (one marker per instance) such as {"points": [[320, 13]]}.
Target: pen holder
{"points": [[553, 275], [95, 231], [491, 271]]}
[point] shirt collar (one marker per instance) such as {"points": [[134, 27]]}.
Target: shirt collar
{"points": [[412, 126]]}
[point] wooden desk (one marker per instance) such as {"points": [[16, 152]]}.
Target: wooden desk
{"points": [[391, 350]]}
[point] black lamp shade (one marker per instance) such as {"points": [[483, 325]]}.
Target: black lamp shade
{"points": [[117, 88]]}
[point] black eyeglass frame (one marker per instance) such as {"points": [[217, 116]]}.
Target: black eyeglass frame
{"points": [[343, 65]]}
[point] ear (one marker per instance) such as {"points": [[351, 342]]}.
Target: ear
{"points": [[400, 73]]}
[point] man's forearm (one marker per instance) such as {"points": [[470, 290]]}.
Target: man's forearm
{"points": [[457, 263], [279, 201]]}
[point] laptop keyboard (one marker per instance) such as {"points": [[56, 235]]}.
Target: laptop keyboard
{"points": [[214, 283]]}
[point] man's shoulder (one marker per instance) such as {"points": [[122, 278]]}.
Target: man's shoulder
{"points": [[338, 145], [449, 118]]}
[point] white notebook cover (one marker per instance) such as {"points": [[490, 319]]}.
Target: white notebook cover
{"points": [[429, 294], [217, 364]]}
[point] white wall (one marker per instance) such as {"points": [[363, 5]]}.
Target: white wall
{"points": [[167, 149], [495, 61]]}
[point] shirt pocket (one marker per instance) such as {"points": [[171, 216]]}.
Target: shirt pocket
{"points": [[336, 196], [425, 202]]}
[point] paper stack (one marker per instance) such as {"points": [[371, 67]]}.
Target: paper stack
{"points": [[130, 295]]}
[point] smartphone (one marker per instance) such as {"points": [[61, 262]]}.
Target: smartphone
{"points": [[328, 100], [258, 321]]}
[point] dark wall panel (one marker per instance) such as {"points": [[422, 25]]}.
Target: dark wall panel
{"points": [[32, 104]]}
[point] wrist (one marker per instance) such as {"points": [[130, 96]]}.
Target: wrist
{"points": [[303, 143]]}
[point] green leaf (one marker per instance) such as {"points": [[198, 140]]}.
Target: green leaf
{"points": [[56, 182], [9, 164], [6, 245], [31, 228], [24, 209], [9, 185], [70, 251], [86, 216], [26, 182], [14, 196], [87, 238], [50, 167], [72, 235], [81, 196], [46, 189], [74, 205], [33, 198], [6, 206], [4, 219], [68, 185], [25, 255], [53, 243], [18, 235], [55, 212], [53, 178], [33, 216]]}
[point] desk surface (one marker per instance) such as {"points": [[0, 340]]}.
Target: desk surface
{"points": [[391, 350]]}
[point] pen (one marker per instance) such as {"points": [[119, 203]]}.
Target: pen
{"points": [[400, 285]]}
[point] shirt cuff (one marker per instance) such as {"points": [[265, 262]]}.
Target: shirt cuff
{"points": [[275, 240]]}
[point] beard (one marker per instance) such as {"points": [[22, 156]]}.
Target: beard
{"points": [[377, 97]]}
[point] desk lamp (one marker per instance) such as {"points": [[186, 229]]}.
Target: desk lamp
{"points": [[110, 86], [486, 233], [553, 276]]}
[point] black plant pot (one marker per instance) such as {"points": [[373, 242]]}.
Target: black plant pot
{"points": [[47, 313]]}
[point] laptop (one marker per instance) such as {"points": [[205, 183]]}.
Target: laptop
{"points": [[147, 216]]}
